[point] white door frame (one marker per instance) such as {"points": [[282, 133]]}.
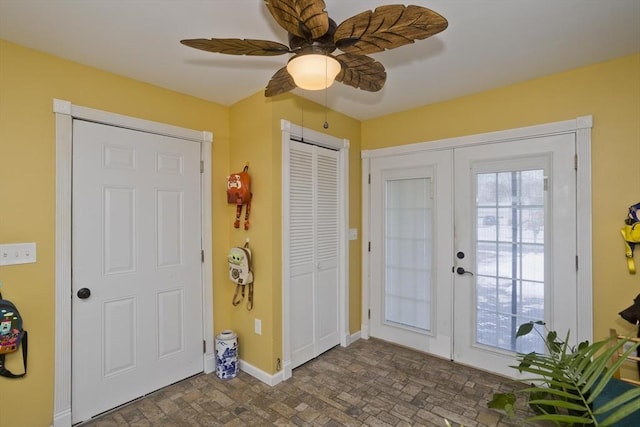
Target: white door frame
{"points": [[65, 112], [581, 127], [290, 130]]}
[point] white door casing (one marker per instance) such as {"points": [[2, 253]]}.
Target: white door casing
{"points": [[580, 128], [65, 112], [136, 249], [303, 299]]}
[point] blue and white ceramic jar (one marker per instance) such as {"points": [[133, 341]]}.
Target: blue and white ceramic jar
{"points": [[226, 355]]}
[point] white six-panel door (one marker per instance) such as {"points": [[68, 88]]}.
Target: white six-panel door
{"points": [[137, 292]]}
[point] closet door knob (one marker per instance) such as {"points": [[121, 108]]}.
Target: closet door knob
{"points": [[84, 293]]}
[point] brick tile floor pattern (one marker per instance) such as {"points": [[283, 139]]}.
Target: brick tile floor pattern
{"points": [[369, 383]]}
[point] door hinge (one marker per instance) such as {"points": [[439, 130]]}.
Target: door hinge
{"points": [[202, 256], [369, 178], [546, 183], [575, 162], [576, 262], [369, 313], [204, 346], [369, 246], [201, 166]]}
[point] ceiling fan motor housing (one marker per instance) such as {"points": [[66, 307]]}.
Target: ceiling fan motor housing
{"points": [[321, 45]]}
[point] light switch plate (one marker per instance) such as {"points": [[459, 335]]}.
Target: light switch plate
{"points": [[17, 253], [353, 234]]}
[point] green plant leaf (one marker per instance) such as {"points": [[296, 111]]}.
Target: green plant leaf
{"points": [[560, 384], [565, 344], [562, 418], [546, 376], [504, 401], [586, 353], [543, 409], [631, 396], [621, 412], [566, 380], [583, 345], [555, 392], [557, 403], [551, 339], [537, 364], [524, 329], [539, 360], [602, 372]]}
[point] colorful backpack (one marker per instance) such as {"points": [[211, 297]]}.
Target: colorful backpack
{"points": [[631, 235], [239, 193], [240, 272], [12, 336]]}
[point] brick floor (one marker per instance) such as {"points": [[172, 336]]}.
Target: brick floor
{"points": [[369, 383]]}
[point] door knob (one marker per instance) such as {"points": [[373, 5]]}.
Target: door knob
{"points": [[462, 271], [84, 293]]}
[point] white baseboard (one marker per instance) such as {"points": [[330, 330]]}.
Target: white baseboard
{"points": [[62, 418], [261, 375], [280, 376], [354, 337]]}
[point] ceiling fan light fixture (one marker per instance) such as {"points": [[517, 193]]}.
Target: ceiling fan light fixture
{"points": [[313, 71], [313, 36]]}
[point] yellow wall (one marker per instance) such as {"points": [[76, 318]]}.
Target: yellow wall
{"points": [[257, 140], [247, 132], [252, 143], [340, 126], [29, 81], [250, 132], [610, 92]]}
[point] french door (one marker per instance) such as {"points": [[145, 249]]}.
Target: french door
{"points": [[468, 243], [411, 197], [515, 247]]}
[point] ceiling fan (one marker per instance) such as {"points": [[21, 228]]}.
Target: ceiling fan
{"points": [[313, 36]]}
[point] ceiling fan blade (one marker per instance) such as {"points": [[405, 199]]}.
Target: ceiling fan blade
{"points": [[361, 72], [387, 27], [238, 46], [304, 18], [281, 82]]}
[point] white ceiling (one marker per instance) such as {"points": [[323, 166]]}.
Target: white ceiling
{"points": [[489, 43]]}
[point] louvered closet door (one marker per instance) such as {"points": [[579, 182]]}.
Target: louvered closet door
{"points": [[313, 251]]}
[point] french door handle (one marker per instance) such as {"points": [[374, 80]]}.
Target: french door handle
{"points": [[462, 271]]}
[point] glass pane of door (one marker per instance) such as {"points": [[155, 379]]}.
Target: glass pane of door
{"points": [[408, 252], [510, 261]]}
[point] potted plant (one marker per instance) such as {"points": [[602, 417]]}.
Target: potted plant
{"points": [[569, 382]]}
